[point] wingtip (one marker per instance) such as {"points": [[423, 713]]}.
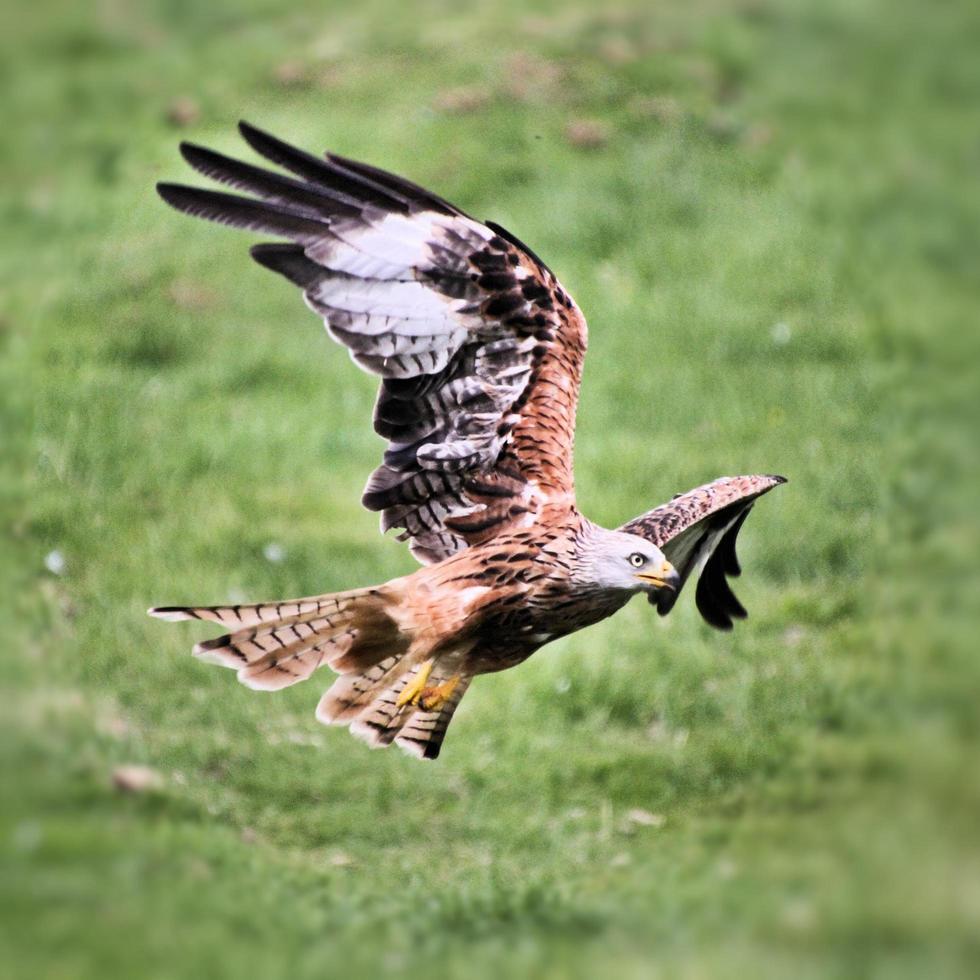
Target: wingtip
{"points": [[251, 134], [777, 479], [173, 194], [192, 152]]}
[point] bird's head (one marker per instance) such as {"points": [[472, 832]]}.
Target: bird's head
{"points": [[617, 560]]}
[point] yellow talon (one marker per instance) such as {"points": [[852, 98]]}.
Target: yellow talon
{"points": [[433, 698], [413, 689]]}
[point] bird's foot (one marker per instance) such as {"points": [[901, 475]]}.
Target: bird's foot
{"points": [[415, 687], [433, 698]]}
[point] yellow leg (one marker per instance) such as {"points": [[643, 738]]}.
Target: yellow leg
{"points": [[415, 687], [433, 698]]}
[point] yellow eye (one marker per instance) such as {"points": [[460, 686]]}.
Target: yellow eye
{"points": [[637, 560]]}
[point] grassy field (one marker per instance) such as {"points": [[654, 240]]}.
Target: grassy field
{"points": [[768, 211]]}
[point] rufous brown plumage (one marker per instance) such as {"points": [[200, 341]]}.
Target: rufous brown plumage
{"points": [[479, 352]]}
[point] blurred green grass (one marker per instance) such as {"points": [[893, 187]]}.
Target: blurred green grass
{"points": [[768, 212]]}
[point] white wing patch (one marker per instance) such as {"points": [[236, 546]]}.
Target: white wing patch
{"points": [[455, 317], [390, 248], [398, 299]]}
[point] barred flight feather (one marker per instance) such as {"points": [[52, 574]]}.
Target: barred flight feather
{"points": [[248, 645], [327, 173], [459, 314], [295, 663]]}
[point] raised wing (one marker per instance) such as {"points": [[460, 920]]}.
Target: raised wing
{"points": [[478, 347], [697, 530]]}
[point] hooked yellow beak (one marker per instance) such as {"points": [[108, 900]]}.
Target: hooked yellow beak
{"points": [[664, 577]]}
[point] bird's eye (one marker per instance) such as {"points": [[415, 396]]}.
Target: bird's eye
{"points": [[637, 560]]}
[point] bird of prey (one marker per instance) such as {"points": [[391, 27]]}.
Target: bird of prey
{"points": [[479, 350]]}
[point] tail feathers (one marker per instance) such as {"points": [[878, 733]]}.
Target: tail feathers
{"points": [[279, 644], [350, 694], [275, 645], [255, 615], [274, 656], [423, 732], [292, 664], [382, 719], [270, 640], [368, 703]]}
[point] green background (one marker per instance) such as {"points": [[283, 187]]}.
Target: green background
{"points": [[769, 213]]}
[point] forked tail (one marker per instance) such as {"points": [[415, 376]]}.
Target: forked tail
{"points": [[356, 634]]}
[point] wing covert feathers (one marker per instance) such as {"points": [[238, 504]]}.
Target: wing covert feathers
{"points": [[478, 347]]}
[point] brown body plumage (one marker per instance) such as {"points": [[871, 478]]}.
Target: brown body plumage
{"points": [[480, 353]]}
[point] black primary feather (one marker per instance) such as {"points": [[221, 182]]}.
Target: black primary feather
{"points": [[322, 171], [321, 201], [242, 212], [289, 261], [406, 188]]}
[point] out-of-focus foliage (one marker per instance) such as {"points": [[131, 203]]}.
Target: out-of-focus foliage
{"points": [[769, 213]]}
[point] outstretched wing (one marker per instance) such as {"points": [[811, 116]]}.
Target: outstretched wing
{"points": [[697, 530], [478, 346]]}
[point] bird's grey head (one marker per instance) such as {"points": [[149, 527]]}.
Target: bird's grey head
{"points": [[616, 560]]}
